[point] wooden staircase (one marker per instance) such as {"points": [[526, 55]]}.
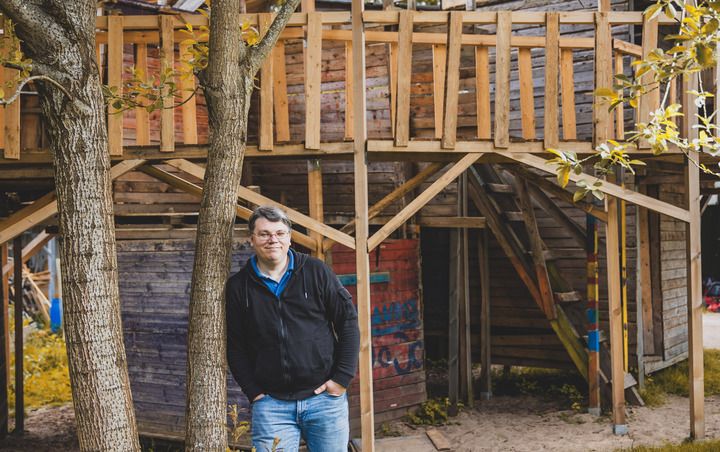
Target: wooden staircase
{"points": [[506, 202]]}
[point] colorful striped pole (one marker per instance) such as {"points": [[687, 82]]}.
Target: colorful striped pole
{"points": [[593, 328]]}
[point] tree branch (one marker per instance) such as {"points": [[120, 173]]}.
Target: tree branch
{"points": [[33, 78], [34, 25], [257, 54]]}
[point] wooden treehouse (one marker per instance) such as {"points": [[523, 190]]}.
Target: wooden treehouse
{"points": [[409, 148]]}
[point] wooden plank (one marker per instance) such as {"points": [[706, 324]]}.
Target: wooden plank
{"points": [[393, 82], [619, 110], [115, 71], [453, 81], [645, 280], [651, 101], [362, 261], [417, 203], [349, 92], [567, 77], [313, 74], [455, 273], [4, 349], [452, 222], [11, 138], [612, 246], [527, 98], [608, 188], [465, 320], [502, 80], [694, 273], [315, 203], [438, 439], [482, 91], [46, 206], [19, 354], [189, 99], [142, 118], [265, 136], [439, 53], [167, 61], [246, 194], [4, 255], [603, 77], [31, 249], [552, 67], [282, 115], [536, 244], [404, 71], [485, 350]]}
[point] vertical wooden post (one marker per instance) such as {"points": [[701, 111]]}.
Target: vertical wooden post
{"points": [[453, 80], [6, 305], [12, 112], [439, 53], [19, 358], [115, 64], [362, 261], [568, 94], [648, 102], [189, 106], [619, 110], [485, 358], [466, 388], [482, 91], [593, 329], [694, 275], [623, 275], [404, 66], [453, 323], [167, 61], [313, 79], [552, 69], [4, 360], [527, 96], [603, 76], [265, 136], [644, 282], [142, 119], [502, 79], [280, 103], [315, 203], [349, 92]]}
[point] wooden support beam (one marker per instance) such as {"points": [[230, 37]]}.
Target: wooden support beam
{"points": [[485, 351], [455, 273], [315, 203], [313, 80], [408, 186], [4, 350], [453, 80], [651, 101], [482, 91], [404, 67], [362, 260], [608, 188], [419, 202], [189, 107], [552, 68], [142, 117], [620, 109], [46, 206], [452, 222], [115, 71], [11, 136], [349, 92], [466, 376], [527, 97], [694, 271], [612, 246], [265, 135], [19, 355], [167, 61], [568, 94], [603, 77], [31, 249], [559, 192], [645, 279], [502, 79], [536, 243], [593, 316], [439, 53], [393, 82], [246, 194], [502, 235], [280, 102]]}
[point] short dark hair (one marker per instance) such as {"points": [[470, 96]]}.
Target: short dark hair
{"points": [[270, 213]]}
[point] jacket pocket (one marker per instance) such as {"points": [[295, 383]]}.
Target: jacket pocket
{"points": [[268, 369], [311, 360]]}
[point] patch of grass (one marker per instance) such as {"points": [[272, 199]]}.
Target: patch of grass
{"points": [[674, 380], [567, 387], [704, 446]]}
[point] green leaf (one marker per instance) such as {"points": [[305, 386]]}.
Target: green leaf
{"points": [[579, 195]]}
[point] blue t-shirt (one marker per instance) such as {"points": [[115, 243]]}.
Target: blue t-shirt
{"points": [[275, 286]]}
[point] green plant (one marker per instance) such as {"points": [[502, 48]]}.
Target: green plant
{"points": [[432, 412]]}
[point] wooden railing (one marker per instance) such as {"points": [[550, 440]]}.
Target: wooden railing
{"points": [[503, 64]]}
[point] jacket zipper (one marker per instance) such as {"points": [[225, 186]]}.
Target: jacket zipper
{"points": [[283, 340]]}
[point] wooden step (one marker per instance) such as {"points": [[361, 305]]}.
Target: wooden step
{"points": [[513, 216], [500, 188], [568, 297]]}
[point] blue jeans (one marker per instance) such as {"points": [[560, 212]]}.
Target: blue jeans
{"points": [[322, 420]]}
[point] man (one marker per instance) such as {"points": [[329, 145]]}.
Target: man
{"points": [[293, 341]]}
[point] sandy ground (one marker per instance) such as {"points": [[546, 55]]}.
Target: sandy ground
{"points": [[500, 424]]}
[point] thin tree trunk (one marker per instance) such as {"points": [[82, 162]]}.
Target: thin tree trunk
{"points": [[60, 39]]}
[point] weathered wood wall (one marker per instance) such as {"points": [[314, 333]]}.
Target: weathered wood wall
{"points": [[154, 291]]}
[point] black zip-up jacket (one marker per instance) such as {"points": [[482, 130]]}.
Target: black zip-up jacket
{"points": [[289, 346]]}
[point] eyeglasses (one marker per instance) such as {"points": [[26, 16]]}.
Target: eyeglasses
{"points": [[264, 236]]}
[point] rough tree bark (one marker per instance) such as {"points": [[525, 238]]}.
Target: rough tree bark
{"points": [[228, 84], [59, 36]]}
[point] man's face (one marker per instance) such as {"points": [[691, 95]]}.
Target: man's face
{"points": [[271, 240]]}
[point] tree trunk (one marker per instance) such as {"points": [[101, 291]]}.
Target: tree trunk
{"points": [[60, 39], [227, 93]]}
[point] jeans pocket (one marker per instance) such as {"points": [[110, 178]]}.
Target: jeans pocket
{"points": [[333, 396]]}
